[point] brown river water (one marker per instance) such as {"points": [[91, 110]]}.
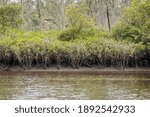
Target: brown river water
{"points": [[42, 85]]}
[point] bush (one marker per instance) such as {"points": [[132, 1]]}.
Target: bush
{"points": [[40, 48]]}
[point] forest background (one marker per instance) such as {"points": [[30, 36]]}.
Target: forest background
{"points": [[74, 33]]}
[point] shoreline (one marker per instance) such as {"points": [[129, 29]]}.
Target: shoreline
{"points": [[82, 70]]}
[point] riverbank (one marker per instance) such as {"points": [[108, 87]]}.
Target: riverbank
{"points": [[82, 70]]}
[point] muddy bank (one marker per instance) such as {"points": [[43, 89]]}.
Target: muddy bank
{"points": [[82, 70]]}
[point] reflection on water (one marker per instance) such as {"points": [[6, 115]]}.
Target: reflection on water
{"points": [[61, 86]]}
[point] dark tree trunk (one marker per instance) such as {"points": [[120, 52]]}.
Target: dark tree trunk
{"points": [[108, 18], [39, 15]]}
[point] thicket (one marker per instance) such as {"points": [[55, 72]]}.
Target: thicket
{"points": [[135, 27], [10, 16], [80, 44], [43, 49]]}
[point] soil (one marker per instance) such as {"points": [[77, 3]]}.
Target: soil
{"points": [[82, 70]]}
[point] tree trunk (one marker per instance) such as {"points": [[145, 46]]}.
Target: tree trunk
{"points": [[108, 18], [39, 15]]}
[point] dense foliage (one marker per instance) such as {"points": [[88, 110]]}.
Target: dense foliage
{"points": [[43, 48], [10, 16], [135, 25], [79, 23], [80, 44]]}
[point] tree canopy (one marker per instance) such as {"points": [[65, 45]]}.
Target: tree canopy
{"points": [[10, 16], [135, 23]]}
